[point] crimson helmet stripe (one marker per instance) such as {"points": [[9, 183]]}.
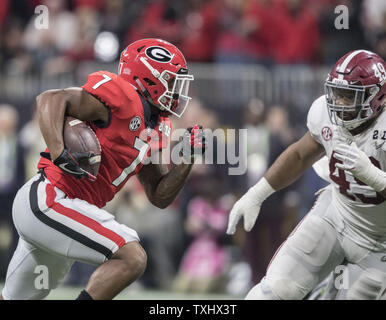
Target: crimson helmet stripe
{"points": [[348, 59]]}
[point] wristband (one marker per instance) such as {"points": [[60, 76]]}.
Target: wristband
{"points": [[373, 177], [260, 191]]}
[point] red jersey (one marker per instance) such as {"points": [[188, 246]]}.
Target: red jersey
{"points": [[126, 140]]}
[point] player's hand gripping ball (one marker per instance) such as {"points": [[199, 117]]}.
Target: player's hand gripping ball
{"points": [[81, 156]]}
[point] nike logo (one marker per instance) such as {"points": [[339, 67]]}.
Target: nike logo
{"points": [[63, 167], [383, 259], [379, 145]]}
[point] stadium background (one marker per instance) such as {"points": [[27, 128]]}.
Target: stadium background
{"points": [[258, 64]]}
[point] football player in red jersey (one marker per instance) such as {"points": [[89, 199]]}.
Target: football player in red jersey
{"points": [[59, 214]]}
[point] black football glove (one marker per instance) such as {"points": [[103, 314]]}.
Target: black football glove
{"points": [[68, 162], [193, 143]]}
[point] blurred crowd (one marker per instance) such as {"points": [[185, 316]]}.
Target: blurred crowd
{"points": [[186, 244], [262, 31]]}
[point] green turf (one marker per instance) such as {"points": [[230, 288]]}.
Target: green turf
{"points": [[135, 293]]}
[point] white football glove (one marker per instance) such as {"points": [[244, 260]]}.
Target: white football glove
{"points": [[248, 206], [358, 163], [352, 158]]}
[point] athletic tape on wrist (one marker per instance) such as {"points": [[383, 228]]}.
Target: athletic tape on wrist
{"points": [[261, 190], [375, 178]]}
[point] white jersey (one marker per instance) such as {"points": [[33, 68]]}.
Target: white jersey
{"points": [[363, 210]]}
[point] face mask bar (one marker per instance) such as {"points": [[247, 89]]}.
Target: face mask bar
{"points": [[175, 99], [347, 105]]}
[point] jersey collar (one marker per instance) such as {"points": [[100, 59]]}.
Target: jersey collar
{"points": [[150, 119]]}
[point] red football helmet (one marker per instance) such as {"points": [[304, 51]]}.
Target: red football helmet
{"points": [[355, 88], [157, 69]]}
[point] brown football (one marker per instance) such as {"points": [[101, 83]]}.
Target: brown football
{"points": [[79, 137]]}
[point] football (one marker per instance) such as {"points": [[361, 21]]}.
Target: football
{"points": [[79, 137]]}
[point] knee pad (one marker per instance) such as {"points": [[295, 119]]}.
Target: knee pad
{"points": [[287, 289], [279, 289], [369, 286], [261, 291], [29, 295], [40, 294], [25, 281]]}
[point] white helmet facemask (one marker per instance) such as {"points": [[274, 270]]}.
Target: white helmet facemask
{"points": [[175, 99]]}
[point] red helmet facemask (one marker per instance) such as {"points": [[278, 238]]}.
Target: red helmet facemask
{"points": [[355, 89], [157, 69]]}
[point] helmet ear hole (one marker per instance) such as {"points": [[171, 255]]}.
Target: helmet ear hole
{"points": [[149, 82]]}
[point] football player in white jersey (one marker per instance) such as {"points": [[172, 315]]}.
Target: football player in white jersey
{"points": [[347, 223]]}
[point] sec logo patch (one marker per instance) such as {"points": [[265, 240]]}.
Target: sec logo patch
{"points": [[326, 133], [135, 123]]}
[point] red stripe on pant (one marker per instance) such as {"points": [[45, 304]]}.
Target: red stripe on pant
{"points": [[277, 251], [82, 219], [293, 231]]}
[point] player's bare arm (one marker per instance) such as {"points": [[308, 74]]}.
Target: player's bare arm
{"points": [[299, 156], [53, 105], [288, 167], [161, 184]]}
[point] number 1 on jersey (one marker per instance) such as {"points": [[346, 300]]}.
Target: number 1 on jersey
{"points": [[142, 147], [105, 79]]}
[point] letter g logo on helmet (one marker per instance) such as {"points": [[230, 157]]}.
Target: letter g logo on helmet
{"points": [[159, 54]]}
